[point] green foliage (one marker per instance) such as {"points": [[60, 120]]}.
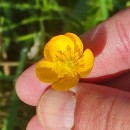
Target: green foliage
{"points": [[26, 26], [88, 13]]}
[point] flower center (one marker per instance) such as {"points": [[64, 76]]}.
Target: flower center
{"points": [[66, 62]]}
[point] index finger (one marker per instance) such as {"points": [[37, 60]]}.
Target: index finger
{"points": [[110, 43]]}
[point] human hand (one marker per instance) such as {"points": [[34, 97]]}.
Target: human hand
{"points": [[97, 107]]}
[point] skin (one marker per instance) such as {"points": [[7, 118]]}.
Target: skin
{"points": [[103, 98]]}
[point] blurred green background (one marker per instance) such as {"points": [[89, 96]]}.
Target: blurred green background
{"points": [[25, 26]]}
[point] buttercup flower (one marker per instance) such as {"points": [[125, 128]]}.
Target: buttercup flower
{"points": [[64, 62]]}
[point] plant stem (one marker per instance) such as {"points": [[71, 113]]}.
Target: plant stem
{"points": [[13, 106]]}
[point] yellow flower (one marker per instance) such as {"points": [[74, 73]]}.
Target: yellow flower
{"points": [[64, 62]]}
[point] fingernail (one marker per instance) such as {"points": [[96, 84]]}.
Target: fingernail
{"points": [[55, 110]]}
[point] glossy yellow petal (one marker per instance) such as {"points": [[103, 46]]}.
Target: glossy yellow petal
{"points": [[65, 83], [56, 45], [85, 63], [45, 73], [76, 40]]}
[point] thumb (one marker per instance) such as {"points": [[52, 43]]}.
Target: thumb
{"points": [[55, 110], [91, 108]]}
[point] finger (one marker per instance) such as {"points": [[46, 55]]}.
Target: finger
{"points": [[28, 87], [101, 108], [121, 82], [110, 42], [34, 124], [55, 110], [97, 107]]}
